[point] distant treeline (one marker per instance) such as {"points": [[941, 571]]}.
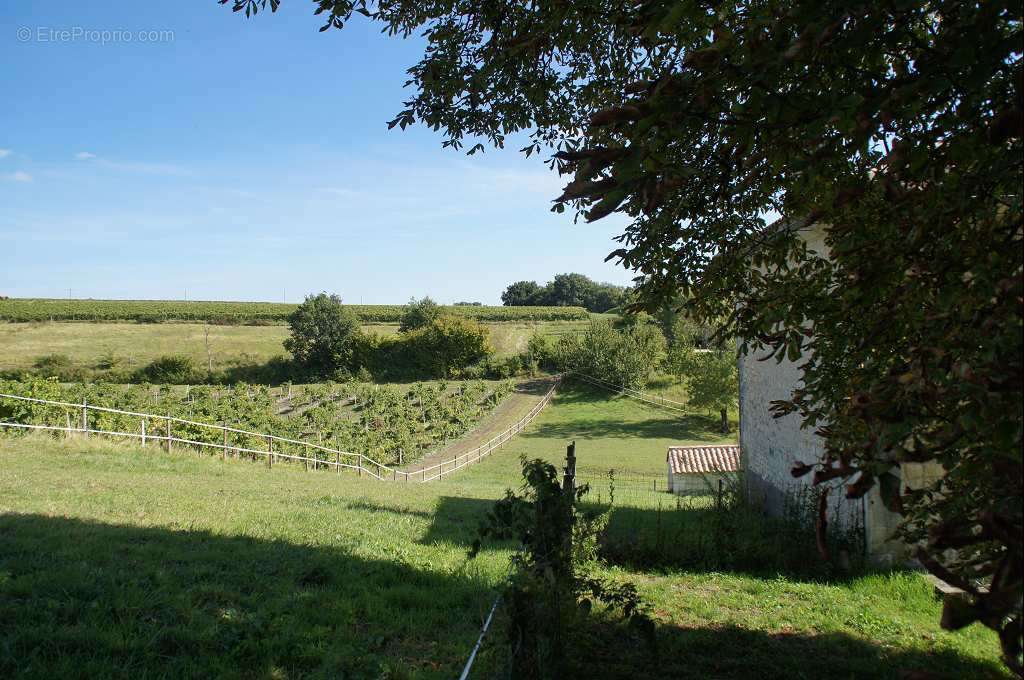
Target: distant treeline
{"points": [[566, 290], [251, 313]]}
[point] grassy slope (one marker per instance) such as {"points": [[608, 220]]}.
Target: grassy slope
{"points": [[115, 560], [86, 343]]}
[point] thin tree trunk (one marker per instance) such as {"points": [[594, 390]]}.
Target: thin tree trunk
{"points": [[725, 421]]}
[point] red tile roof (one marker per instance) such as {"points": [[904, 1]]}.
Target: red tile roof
{"points": [[702, 459]]}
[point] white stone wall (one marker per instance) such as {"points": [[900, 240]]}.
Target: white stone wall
{"points": [[687, 484], [771, 446]]}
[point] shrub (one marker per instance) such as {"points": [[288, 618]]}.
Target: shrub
{"points": [[448, 345], [60, 366], [419, 314], [52, 364], [172, 370]]}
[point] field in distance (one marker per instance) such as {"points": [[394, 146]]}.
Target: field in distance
{"points": [[88, 344], [157, 311]]}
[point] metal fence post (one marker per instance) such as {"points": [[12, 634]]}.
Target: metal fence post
{"points": [[143, 421]]}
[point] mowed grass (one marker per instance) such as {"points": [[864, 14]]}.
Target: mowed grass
{"points": [[129, 562], [612, 432], [134, 344], [121, 561]]}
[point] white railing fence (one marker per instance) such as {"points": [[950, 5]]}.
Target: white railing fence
{"points": [[358, 462]]}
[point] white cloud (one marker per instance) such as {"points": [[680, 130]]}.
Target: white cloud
{"points": [[18, 176], [4, 153], [84, 156]]}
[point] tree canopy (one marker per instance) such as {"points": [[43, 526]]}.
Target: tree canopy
{"points": [[565, 290], [419, 314], [895, 126], [323, 335]]}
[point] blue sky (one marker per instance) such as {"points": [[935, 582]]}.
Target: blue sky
{"points": [[251, 160]]}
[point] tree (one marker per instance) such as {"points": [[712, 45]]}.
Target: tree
{"points": [[418, 314], [897, 127], [324, 335], [521, 294], [711, 377], [620, 357], [568, 290]]}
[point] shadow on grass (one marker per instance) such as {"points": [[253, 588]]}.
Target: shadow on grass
{"points": [[609, 651], [664, 425], [84, 599]]}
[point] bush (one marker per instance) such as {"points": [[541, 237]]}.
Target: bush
{"points": [[61, 367], [419, 314], [52, 363], [448, 345], [171, 370], [324, 335]]}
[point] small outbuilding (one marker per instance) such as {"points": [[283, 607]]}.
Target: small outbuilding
{"points": [[697, 469]]}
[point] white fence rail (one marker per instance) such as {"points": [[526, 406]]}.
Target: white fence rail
{"points": [[358, 462]]}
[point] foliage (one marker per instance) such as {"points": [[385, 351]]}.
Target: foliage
{"points": [[252, 313], [175, 369], [419, 313], [895, 128], [448, 344], [697, 532], [521, 294], [711, 377], [323, 335], [553, 583], [387, 424], [58, 366], [566, 290], [621, 357]]}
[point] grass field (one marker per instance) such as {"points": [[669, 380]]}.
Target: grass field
{"points": [[121, 561], [133, 344]]}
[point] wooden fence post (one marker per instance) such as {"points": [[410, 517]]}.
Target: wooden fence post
{"points": [[85, 418], [305, 457], [143, 421], [168, 434], [569, 479], [67, 414], [270, 451], [337, 462], [224, 450]]}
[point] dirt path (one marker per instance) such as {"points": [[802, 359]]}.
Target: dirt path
{"points": [[526, 395]]}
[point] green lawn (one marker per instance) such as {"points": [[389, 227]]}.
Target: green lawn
{"points": [[121, 561], [135, 344]]}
